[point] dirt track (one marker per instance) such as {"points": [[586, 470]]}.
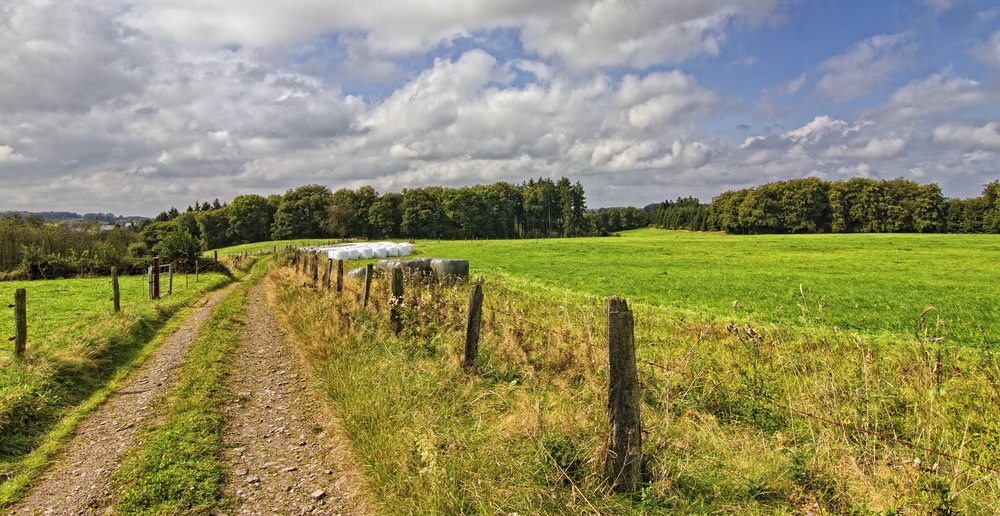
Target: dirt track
{"points": [[286, 456]]}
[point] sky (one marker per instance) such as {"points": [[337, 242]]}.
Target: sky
{"points": [[134, 106]]}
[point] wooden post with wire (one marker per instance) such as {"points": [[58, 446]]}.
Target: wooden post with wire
{"points": [[20, 321], [115, 292], [396, 302], [156, 278], [624, 461], [340, 275], [369, 272], [315, 266], [326, 273], [472, 325]]}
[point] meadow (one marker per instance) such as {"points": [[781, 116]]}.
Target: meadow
{"points": [[878, 284], [842, 396]]}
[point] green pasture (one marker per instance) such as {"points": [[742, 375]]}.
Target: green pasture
{"points": [[871, 283]]}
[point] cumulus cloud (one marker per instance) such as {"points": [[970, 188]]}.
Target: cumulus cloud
{"points": [[939, 92], [864, 68], [583, 33], [986, 137], [989, 51]]}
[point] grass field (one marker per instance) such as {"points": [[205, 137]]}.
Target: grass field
{"points": [[829, 399], [873, 283]]}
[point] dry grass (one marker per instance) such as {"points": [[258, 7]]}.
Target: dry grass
{"points": [[737, 418]]}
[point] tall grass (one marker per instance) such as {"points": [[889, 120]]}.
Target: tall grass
{"points": [[739, 416]]}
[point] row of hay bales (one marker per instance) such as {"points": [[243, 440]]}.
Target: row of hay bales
{"points": [[363, 250], [447, 270]]}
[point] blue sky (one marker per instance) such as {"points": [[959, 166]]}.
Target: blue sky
{"points": [[134, 106]]}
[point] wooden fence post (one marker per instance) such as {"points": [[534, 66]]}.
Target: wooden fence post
{"points": [[20, 321], [156, 277], [395, 318], [472, 325], [315, 267], [326, 273], [369, 272], [196, 271], [215, 263], [115, 293], [624, 464], [340, 275]]}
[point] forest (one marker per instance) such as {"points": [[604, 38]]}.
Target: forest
{"points": [[33, 248], [858, 205]]}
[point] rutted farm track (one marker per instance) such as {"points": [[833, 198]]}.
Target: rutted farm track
{"points": [[283, 452]]}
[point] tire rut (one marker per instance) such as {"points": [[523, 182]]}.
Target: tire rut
{"points": [[78, 482], [287, 456]]}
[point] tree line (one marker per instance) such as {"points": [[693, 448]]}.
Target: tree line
{"points": [[858, 205], [533, 209]]}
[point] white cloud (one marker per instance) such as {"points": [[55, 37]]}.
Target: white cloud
{"points": [[937, 93], [583, 33], [986, 137], [866, 67], [793, 86], [875, 148], [989, 51]]}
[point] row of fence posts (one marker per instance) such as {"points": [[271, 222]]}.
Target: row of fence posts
{"points": [[624, 461], [20, 305]]}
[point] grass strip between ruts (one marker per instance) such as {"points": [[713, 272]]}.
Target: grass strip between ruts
{"points": [[178, 467]]}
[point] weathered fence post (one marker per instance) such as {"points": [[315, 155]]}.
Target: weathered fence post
{"points": [[315, 267], [369, 272], [326, 273], [156, 277], [340, 275], [472, 326], [296, 260], [20, 321], [215, 263], [196, 271], [624, 465], [395, 318], [115, 293]]}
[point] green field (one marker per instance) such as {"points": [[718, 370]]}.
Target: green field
{"points": [[872, 283]]}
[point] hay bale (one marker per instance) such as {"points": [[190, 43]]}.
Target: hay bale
{"points": [[449, 270]]}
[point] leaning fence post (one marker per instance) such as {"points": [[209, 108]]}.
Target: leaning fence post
{"points": [[340, 275], [20, 321], [395, 318], [369, 272], [624, 464], [115, 293], [472, 326]]}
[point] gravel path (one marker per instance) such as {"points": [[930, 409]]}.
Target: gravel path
{"points": [[287, 456], [78, 482]]}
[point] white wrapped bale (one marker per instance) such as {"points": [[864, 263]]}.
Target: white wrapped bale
{"points": [[358, 273], [405, 249]]}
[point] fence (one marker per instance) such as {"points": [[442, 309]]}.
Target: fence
{"points": [[625, 390]]}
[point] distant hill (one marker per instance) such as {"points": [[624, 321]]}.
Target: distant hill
{"points": [[68, 216]]}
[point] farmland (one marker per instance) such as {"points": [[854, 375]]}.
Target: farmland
{"points": [[842, 396], [873, 283]]}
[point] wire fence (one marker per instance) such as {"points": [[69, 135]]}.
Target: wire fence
{"points": [[494, 309]]}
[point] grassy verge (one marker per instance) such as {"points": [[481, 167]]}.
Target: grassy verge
{"points": [[737, 418], [73, 363], [178, 467]]}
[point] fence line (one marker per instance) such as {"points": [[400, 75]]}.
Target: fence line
{"points": [[714, 463]]}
